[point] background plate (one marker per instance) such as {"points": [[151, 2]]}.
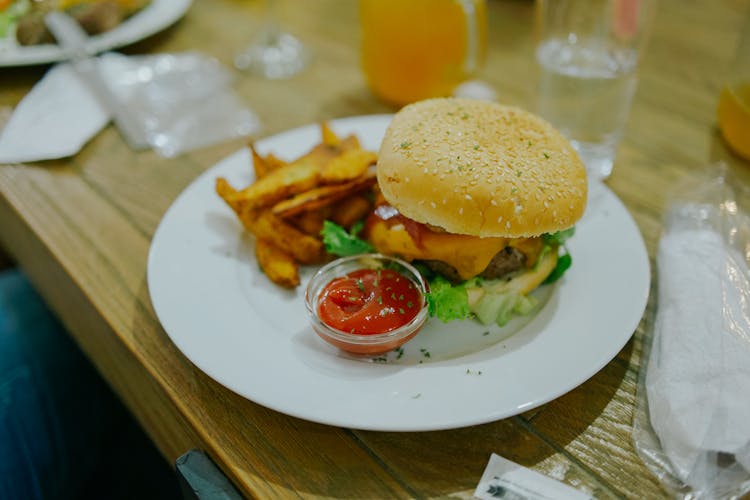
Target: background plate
{"points": [[152, 19], [253, 337]]}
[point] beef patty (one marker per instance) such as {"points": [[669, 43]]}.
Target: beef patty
{"points": [[503, 263]]}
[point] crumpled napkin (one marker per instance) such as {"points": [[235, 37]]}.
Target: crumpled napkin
{"points": [[52, 121], [698, 377], [181, 102]]}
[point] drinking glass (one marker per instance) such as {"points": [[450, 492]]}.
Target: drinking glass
{"points": [[588, 52], [415, 49], [274, 54]]}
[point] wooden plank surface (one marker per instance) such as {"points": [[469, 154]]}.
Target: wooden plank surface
{"points": [[81, 228]]}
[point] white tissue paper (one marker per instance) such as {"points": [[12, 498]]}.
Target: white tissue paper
{"points": [[52, 121], [181, 101], [697, 381]]}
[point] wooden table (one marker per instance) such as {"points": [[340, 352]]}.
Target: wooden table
{"points": [[81, 229]]}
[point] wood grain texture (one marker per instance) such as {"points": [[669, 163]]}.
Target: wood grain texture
{"points": [[81, 228]]}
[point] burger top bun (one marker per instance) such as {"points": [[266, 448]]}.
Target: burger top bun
{"points": [[480, 168]]}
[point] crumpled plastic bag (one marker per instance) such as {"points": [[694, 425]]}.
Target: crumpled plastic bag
{"points": [[692, 420], [181, 101]]}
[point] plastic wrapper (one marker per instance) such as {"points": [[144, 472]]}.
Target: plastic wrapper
{"points": [[692, 419], [181, 101]]}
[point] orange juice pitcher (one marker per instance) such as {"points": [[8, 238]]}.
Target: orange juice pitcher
{"points": [[415, 49], [734, 100]]}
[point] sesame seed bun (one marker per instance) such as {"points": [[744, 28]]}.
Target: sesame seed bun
{"points": [[480, 168]]}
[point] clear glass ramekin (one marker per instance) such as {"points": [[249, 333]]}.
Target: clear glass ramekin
{"points": [[374, 344]]}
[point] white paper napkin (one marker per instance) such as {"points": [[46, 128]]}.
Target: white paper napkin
{"points": [[698, 378], [52, 121]]}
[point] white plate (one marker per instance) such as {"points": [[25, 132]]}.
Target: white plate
{"points": [[253, 337], [155, 17]]}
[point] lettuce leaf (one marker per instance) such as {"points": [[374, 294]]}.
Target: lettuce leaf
{"points": [[342, 243], [560, 237], [563, 264], [447, 302], [552, 241], [500, 308]]}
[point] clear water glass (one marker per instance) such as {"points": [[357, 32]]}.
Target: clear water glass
{"points": [[274, 53], [588, 55]]}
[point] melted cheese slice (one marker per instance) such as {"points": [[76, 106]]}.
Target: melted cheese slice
{"points": [[468, 254]]}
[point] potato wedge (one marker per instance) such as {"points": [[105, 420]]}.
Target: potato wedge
{"points": [[327, 136], [274, 162], [347, 166], [246, 214], [260, 165], [304, 248], [320, 155], [227, 193], [350, 210], [311, 222], [349, 142], [318, 197], [279, 266], [276, 185]]}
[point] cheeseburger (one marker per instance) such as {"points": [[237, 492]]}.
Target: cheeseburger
{"points": [[474, 189]]}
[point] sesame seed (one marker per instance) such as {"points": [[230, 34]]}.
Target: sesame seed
{"points": [[493, 203], [432, 204], [461, 211]]}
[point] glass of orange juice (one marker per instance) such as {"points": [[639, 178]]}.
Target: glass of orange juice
{"points": [[415, 49], [734, 100]]}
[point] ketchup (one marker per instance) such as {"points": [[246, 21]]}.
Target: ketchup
{"points": [[369, 302]]}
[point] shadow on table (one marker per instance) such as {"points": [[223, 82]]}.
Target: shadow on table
{"points": [[434, 460]]}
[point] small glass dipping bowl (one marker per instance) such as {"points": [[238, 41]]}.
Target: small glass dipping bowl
{"points": [[373, 344]]}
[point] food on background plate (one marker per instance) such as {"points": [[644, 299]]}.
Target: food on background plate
{"points": [[482, 197], [25, 18], [287, 204]]}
